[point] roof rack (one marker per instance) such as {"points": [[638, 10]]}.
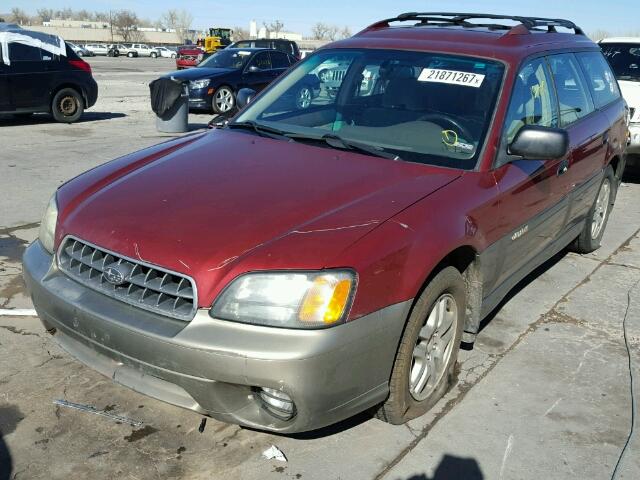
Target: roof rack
{"points": [[462, 19]]}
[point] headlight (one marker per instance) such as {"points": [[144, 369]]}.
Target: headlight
{"points": [[288, 299], [48, 225], [198, 84]]}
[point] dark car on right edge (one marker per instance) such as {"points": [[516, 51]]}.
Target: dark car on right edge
{"points": [[301, 265]]}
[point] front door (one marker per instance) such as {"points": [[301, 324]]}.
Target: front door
{"points": [[259, 72], [532, 201]]}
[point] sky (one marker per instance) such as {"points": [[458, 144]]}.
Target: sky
{"points": [[615, 16]]}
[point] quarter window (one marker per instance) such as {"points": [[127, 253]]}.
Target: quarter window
{"points": [[23, 53], [573, 98], [600, 78], [532, 101]]}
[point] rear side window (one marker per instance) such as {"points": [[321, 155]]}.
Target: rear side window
{"points": [[263, 44], [600, 78], [279, 60], [575, 102], [532, 101], [242, 45], [23, 53], [283, 47], [262, 61]]}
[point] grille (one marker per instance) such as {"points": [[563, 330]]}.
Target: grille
{"points": [[142, 285]]}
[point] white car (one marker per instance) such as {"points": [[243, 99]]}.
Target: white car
{"points": [[144, 50], [165, 52], [623, 54], [97, 48]]}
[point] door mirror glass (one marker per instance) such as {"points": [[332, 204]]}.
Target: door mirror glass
{"points": [[254, 69], [533, 142], [244, 96]]}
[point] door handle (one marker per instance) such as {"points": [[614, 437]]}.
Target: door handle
{"points": [[563, 167]]}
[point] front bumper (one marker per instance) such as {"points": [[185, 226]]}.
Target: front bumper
{"points": [[200, 99], [213, 366]]}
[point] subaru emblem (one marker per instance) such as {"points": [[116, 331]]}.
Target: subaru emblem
{"points": [[113, 276]]}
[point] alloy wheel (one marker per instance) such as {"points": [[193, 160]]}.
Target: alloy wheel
{"points": [[601, 208], [304, 98], [224, 100], [433, 348]]}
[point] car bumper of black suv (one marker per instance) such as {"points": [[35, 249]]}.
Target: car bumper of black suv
{"points": [[216, 367]]}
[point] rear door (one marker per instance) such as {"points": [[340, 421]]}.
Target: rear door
{"points": [[532, 202], [31, 76], [588, 134], [260, 78], [279, 62]]}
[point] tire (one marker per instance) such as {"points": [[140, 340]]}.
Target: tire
{"points": [[304, 97], [590, 238], [173, 55], [130, 54], [67, 106], [154, 55], [80, 54], [438, 314], [223, 100]]}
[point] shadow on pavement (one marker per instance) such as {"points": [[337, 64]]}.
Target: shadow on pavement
{"points": [[40, 118], [454, 468], [10, 416]]}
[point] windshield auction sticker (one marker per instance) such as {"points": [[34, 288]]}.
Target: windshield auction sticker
{"points": [[451, 77]]}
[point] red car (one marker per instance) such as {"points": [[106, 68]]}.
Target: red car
{"points": [[188, 56], [301, 265]]}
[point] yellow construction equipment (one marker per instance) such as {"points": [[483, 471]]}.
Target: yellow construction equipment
{"points": [[218, 39]]}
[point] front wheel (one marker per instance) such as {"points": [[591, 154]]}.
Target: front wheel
{"points": [[154, 55], [173, 55], [428, 351], [223, 100], [591, 237], [130, 54], [67, 105]]}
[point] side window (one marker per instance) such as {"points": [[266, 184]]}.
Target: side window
{"points": [[23, 53], [279, 60], [242, 45], [263, 44], [532, 101], [282, 47], [262, 61], [575, 101], [600, 78]]}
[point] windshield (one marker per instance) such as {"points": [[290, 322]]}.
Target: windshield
{"points": [[624, 59], [231, 59], [421, 107]]}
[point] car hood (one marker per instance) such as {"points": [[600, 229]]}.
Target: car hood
{"points": [[216, 205], [197, 73]]}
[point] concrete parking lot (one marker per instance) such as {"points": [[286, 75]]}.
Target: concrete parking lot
{"points": [[544, 393]]}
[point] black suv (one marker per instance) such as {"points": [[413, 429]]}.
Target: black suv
{"points": [[286, 46], [36, 80]]}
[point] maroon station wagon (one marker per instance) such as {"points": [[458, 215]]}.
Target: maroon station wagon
{"points": [[308, 262]]}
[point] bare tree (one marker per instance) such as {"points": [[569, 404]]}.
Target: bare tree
{"points": [[345, 33], [274, 27], [240, 33], [101, 16], [125, 23], [19, 16], [179, 20], [45, 14]]}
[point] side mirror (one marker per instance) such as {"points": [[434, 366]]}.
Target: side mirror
{"points": [[253, 69], [244, 96], [534, 142]]}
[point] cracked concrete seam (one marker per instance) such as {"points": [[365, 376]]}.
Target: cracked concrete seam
{"points": [[546, 318]]}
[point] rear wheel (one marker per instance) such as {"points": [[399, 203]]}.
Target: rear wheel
{"points": [[130, 54], [223, 100], [154, 55], [173, 55], [67, 105], [591, 237], [423, 369]]}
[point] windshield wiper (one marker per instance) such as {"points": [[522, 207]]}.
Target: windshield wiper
{"points": [[336, 141], [260, 129]]}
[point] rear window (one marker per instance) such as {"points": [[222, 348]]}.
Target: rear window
{"points": [[24, 53], [575, 101], [600, 78], [284, 47]]}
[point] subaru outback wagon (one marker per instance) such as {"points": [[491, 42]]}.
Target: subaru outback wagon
{"points": [[299, 266]]}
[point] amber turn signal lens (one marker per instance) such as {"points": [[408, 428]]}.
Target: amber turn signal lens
{"points": [[326, 299]]}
